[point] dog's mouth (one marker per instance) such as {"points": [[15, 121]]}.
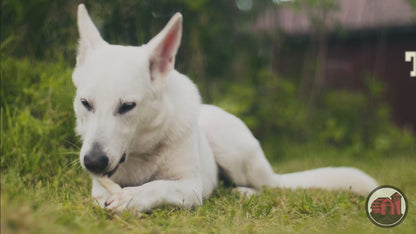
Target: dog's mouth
{"points": [[122, 160]]}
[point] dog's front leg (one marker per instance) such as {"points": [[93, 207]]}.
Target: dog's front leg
{"points": [[99, 193], [183, 193]]}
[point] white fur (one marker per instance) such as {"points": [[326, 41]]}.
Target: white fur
{"points": [[175, 146]]}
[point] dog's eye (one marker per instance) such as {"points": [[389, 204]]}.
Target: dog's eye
{"points": [[126, 107], [86, 104]]}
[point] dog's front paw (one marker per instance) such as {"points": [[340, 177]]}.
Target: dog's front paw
{"points": [[118, 202], [127, 198]]}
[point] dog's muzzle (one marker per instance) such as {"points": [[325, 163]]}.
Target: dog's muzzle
{"points": [[96, 161], [110, 173]]}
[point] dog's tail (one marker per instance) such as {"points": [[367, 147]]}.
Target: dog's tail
{"points": [[331, 178]]}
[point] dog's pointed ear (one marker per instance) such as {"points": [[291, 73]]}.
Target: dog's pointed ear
{"points": [[163, 49], [90, 38]]}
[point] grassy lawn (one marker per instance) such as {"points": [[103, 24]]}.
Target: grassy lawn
{"points": [[44, 190], [63, 205]]}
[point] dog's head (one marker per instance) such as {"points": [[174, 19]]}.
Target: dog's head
{"points": [[115, 84]]}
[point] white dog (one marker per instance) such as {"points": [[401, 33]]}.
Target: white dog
{"points": [[144, 128]]}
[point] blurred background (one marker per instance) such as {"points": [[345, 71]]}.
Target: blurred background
{"points": [[313, 73]]}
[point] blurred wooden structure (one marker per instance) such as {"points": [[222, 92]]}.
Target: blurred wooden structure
{"points": [[357, 39]]}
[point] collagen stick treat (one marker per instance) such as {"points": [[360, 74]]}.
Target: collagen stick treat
{"points": [[108, 184]]}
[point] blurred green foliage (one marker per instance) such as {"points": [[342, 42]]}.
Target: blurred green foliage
{"points": [[36, 118], [219, 51], [413, 3]]}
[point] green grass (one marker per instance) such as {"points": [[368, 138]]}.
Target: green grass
{"points": [[64, 206], [44, 190]]}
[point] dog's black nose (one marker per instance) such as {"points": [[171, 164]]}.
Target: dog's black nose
{"points": [[96, 160], [96, 163]]}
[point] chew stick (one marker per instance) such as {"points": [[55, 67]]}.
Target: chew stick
{"points": [[108, 184]]}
